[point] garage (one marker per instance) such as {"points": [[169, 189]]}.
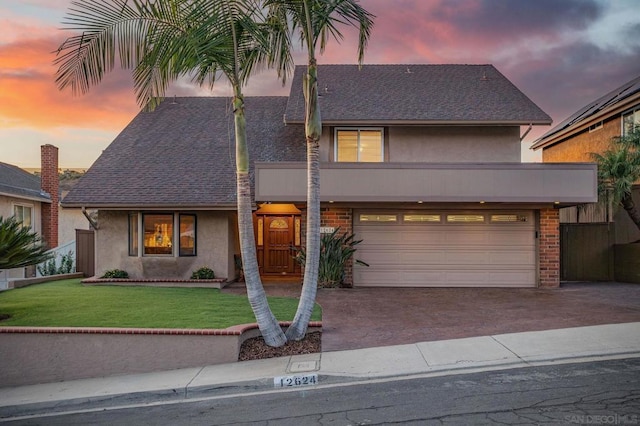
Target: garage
{"points": [[445, 249]]}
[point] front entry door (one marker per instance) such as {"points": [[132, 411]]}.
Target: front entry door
{"points": [[279, 237]]}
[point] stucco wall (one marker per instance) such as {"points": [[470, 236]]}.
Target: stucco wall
{"points": [[443, 144], [213, 250], [454, 144], [68, 221], [6, 210], [580, 147]]}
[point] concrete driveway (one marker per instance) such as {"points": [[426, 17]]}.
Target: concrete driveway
{"points": [[369, 317]]}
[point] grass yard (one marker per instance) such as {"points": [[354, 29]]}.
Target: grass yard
{"points": [[70, 304]]}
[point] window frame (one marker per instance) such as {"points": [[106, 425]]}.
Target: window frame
{"points": [[195, 234], [630, 113], [20, 220], [336, 130], [136, 243]]}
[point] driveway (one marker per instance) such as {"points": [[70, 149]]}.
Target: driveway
{"points": [[368, 317]]}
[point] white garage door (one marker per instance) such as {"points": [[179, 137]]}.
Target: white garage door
{"points": [[445, 249]]}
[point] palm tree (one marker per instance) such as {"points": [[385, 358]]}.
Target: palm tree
{"points": [[19, 247], [164, 40], [618, 170], [315, 22]]}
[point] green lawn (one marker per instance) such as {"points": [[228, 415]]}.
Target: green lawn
{"points": [[70, 304]]}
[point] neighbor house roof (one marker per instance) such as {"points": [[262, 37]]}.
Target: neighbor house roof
{"points": [[415, 94], [15, 182], [616, 101], [183, 154]]}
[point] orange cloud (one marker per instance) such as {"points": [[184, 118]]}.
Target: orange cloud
{"points": [[29, 96]]}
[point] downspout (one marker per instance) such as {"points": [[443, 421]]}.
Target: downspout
{"points": [[526, 133], [92, 222]]}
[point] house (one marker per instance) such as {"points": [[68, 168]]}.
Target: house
{"points": [[33, 201], [590, 130], [421, 162]]}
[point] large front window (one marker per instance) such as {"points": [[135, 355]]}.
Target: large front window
{"points": [[156, 234], [23, 215], [630, 121], [359, 145]]}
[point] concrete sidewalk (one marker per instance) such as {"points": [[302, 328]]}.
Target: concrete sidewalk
{"points": [[429, 358]]}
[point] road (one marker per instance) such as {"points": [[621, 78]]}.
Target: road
{"points": [[604, 392]]}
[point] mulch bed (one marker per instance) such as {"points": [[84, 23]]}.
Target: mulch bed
{"points": [[255, 348]]}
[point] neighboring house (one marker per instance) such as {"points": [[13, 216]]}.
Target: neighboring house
{"points": [[590, 130], [421, 162], [32, 200]]}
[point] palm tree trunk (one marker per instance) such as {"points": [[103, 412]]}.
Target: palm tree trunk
{"points": [[267, 323], [313, 130], [630, 207]]}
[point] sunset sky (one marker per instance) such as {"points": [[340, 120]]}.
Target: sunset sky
{"points": [[562, 54]]}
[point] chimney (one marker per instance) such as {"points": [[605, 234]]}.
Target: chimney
{"points": [[49, 182]]}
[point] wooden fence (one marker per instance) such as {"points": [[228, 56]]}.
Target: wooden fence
{"points": [[586, 251]]}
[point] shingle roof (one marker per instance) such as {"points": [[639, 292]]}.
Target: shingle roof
{"points": [[601, 104], [415, 93], [19, 183], [183, 154]]}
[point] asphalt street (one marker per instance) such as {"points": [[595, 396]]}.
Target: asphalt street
{"points": [[604, 392]]}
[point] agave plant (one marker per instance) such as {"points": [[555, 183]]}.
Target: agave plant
{"points": [[335, 251], [19, 247]]}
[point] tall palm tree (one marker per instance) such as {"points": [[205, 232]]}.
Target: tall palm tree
{"points": [[618, 170], [164, 40], [19, 246], [315, 22]]}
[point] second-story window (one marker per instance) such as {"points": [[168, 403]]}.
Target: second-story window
{"points": [[23, 215], [359, 145], [630, 121]]}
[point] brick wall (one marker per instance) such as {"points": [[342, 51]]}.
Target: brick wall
{"points": [[50, 184], [579, 147], [549, 243], [334, 217], [340, 217]]}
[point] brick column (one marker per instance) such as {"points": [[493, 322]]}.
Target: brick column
{"points": [[549, 248], [50, 184], [340, 217]]}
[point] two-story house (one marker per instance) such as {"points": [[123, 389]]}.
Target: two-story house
{"points": [[421, 162], [591, 231], [33, 201]]}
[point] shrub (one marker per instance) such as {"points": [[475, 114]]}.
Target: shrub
{"points": [[50, 267], [203, 273], [115, 273], [335, 251]]}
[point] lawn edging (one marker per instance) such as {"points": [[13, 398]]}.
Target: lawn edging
{"points": [[24, 282], [32, 355]]}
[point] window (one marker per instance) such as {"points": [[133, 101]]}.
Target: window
{"points": [[187, 235], [465, 218], [158, 234], [378, 218], [359, 145], [508, 218], [630, 121], [422, 218], [133, 234], [160, 231], [23, 215]]}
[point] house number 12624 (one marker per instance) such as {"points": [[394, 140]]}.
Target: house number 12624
{"points": [[292, 381]]}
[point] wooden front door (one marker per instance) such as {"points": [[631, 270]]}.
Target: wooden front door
{"points": [[278, 239]]}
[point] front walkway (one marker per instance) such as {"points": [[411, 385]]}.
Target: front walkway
{"points": [[370, 317]]}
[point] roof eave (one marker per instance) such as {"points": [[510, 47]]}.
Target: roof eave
{"points": [[26, 197], [617, 108], [156, 207], [431, 122]]}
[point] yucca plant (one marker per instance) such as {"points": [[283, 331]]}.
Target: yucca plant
{"points": [[19, 247], [335, 252]]}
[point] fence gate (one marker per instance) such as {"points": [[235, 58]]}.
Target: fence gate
{"points": [[85, 252], [586, 251]]}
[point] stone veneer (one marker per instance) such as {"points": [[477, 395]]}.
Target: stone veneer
{"points": [[549, 248]]}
